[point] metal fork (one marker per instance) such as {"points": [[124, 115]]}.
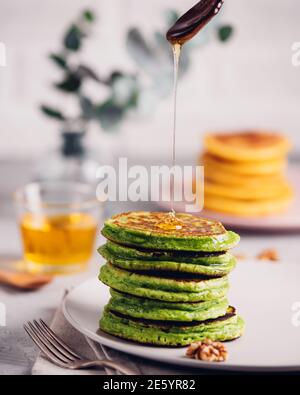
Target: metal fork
{"points": [[61, 354]]}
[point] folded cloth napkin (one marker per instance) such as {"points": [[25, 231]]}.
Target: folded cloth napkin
{"points": [[90, 349]]}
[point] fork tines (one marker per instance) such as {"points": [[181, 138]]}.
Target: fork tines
{"points": [[51, 344]]}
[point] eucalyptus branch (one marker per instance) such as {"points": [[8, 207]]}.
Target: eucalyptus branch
{"points": [[126, 91]]}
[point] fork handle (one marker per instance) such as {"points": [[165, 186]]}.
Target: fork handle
{"points": [[106, 364]]}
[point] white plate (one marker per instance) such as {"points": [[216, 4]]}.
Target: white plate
{"points": [[264, 294]]}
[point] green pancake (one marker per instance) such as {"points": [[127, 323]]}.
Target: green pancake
{"points": [[186, 233], [138, 307], [159, 333], [168, 288], [134, 259]]}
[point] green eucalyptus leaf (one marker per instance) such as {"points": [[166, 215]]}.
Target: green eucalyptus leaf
{"points": [[114, 76], [53, 113], [87, 107], [171, 17], [85, 71], [72, 40], [109, 114], [125, 91], [89, 16], [134, 100], [58, 60], [141, 52], [225, 32], [71, 83]]}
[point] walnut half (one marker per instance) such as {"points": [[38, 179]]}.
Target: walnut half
{"points": [[268, 255], [207, 350]]}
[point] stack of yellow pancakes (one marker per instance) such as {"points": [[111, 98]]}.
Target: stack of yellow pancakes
{"points": [[245, 173]]}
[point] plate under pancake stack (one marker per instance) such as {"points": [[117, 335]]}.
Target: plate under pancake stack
{"points": [[245, 173], [168, 279]]}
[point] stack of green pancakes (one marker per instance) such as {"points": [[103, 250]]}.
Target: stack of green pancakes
{"points": [[168, 279]]}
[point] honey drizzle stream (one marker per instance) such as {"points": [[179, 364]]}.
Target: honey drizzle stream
{"points": [[176, 52], [184, 29], [170, 221]]}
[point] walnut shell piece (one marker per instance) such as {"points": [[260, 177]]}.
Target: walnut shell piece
{"points": [[207, 350], [268, 255]]}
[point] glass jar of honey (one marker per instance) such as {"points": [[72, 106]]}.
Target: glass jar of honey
{"points": [[58, 223]]}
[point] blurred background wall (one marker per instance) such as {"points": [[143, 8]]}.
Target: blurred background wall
{"points": [[247, 83]]}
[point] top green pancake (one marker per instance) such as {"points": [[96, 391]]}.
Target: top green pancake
{"points": [[163, 231]]}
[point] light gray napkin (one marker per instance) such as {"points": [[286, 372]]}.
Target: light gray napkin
{"points": [[90, 349]]}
